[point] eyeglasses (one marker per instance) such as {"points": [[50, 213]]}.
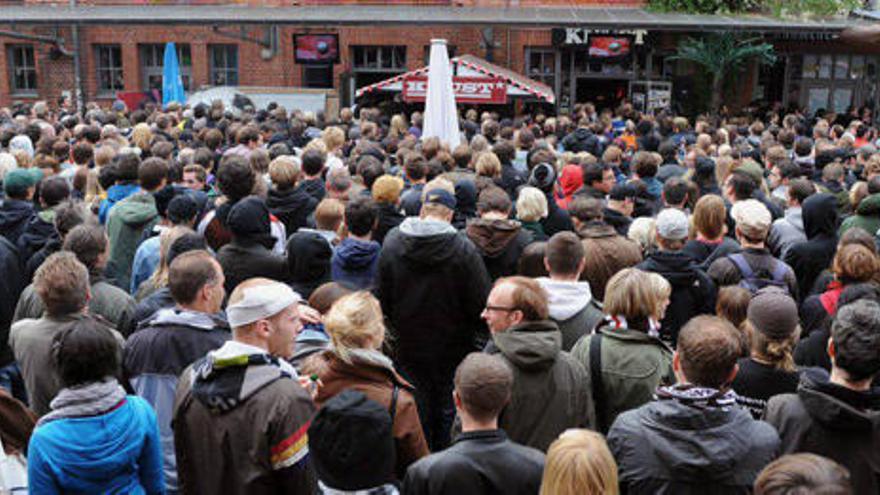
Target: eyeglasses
{"points": [[499, 308]]}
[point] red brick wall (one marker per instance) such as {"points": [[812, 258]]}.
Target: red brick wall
{"points": [[280, 70]]}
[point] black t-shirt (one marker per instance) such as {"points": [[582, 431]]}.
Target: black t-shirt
{"points": [[756, 383]]}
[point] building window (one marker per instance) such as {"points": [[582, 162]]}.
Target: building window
{"points": [[318, 76], [224, 65], [831, 82], [109, 65], [372, 64], [541, 64], [22, 69], [379, 58], [153, 61]]}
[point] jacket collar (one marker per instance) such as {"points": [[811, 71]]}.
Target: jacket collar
{"points": [[631, 335], [488, 436], [365, 371]]}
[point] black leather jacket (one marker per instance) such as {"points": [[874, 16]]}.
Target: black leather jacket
{"points": [[477, 462]]}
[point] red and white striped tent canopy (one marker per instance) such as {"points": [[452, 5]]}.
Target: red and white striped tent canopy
{"points": [[471, 66]]}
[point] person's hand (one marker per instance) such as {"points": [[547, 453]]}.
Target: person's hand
{"points": [[312, 384], [309, 314]]}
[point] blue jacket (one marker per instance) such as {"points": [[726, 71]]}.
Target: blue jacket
{"points": [[354, 263], [115, 194], [116, 452], [146, 259]]}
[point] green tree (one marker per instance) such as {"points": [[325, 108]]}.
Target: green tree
{"points": [[778, 8], [723, 55]]}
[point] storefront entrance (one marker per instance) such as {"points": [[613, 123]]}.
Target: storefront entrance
{"points": [[604, 93]]}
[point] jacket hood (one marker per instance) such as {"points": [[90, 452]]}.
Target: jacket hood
{"points": [[118, 192], [185, 318], [492, 236], [308, 256], [795, 216], [596, 230], [465, 199], [136, 209], [230, 375], [566, 299], [820, 215], [583, 133], [836, 407], [428, 241], [36, 234], [697, 445], [355, 255], [531, 346], [249, 219], [571, 180], [869, 206], [14, 212], [675, 266], [289, 200]]}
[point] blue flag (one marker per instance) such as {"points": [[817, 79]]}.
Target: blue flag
{"points": [[172, 84]]}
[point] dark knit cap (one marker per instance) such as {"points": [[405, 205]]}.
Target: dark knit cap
{"points": [[773, 313], [351, 444]]}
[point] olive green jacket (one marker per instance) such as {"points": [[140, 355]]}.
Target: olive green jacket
{"points": [[633, 365]]}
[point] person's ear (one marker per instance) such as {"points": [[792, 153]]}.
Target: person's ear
{"points": [[205, 292], [263, 329], [546, 265], [676, 362], [581, 265], [456, 399], [732, 375], [831, 350]]}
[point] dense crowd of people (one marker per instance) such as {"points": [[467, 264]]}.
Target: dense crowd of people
{"points": [[209, 300]]}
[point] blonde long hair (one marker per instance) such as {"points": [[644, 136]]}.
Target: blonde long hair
{"points": [[354, 322], [159, 278], [579, 463]]}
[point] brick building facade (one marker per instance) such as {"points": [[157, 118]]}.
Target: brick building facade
{"points": [[252, 44]]}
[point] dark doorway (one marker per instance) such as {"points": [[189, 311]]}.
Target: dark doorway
{"points": [[604, 93]]}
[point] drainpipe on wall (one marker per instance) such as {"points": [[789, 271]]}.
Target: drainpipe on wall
{"points": [[77, 73]]}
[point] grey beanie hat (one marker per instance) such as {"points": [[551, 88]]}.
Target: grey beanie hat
{"points": [[773, 313]]}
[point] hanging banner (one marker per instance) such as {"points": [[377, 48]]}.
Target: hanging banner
{"points": [[472, 90]]}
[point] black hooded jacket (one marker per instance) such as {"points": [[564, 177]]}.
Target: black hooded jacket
{"points": [[292, 207], [34, 236], [433, 286], [834, 422], [465, 203], [11, 286], [15, 215], [693, 292], [388, 217], [808, 258], [583, 139], [308, 258], [557, 220]]}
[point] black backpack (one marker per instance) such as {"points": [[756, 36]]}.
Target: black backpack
{"points": [[751, 282]]}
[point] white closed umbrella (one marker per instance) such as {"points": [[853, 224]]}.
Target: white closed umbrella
{"points": [[441, 117]]}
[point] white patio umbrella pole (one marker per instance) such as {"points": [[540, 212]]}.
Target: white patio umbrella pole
{"points": [[441, 117]]}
